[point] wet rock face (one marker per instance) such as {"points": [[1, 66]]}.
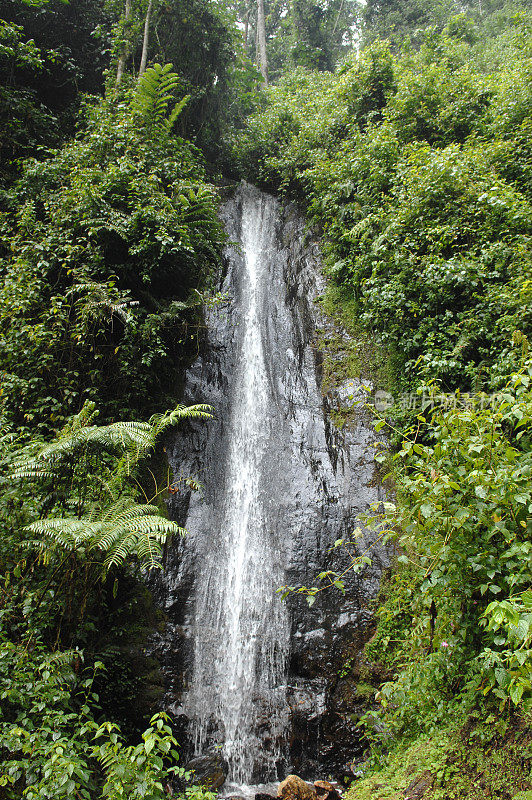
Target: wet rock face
{"points": [[317, 481], [208, 770]]}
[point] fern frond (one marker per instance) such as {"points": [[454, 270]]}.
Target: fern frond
{"points": [[62, 658], [122, 530], [131, 441], [178, 108], [67, 533], [155, 91], [124, 511], [160, 422], [114, 438], [134, 529], [31, 470]]}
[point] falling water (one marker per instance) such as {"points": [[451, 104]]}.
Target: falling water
{"points": [[281, 485], [241, 628]]}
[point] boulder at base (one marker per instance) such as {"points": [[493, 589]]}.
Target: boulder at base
{"points": [[295, 788], [209, 770], [326, 791]]}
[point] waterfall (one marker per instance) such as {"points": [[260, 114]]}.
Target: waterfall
{"points": [[244, 670], [241, 632]]}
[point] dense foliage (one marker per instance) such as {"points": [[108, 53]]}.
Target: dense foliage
{"points": [[464, 531], [201, 39], [310, 33], [418, 170], [105, 248], [59, 575], [49, 53], [108, 245]]}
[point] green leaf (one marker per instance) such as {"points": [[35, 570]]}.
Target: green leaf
{"points": [[516, 693], [502, 677]]}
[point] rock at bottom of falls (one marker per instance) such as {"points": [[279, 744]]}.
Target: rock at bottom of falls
{"points": [[295, 788], [292, 788], [209, 770], [327, 791]]}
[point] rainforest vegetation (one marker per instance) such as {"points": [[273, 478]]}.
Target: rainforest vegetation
{"points": [[403, 129]]}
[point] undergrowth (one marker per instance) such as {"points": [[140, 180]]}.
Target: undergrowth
{"points": [[469, 757]]}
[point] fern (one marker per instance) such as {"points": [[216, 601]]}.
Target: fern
{"points": [[90, 460], [133, 440], [120, 531], [154, 92], [96, 298], [160, 422]]}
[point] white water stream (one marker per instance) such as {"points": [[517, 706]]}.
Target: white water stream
{"points": [[241, 636]]}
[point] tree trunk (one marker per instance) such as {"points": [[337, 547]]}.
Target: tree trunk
{"points": [[125, 48], [256, 40], [261, 41], [145, 41], [338, 17], [246, 29]]}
